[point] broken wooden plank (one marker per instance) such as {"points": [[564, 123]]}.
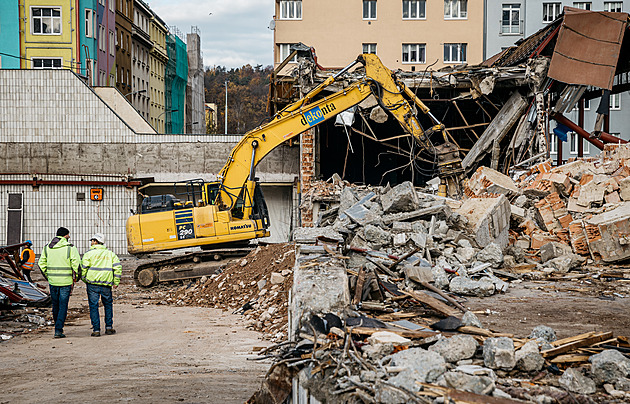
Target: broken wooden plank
{"points": [[382, 267], [469, 329], [570, 358], [572, 339], [465, 397], [402, 333], [577, 344], [434, 303], [358, 290], [444, 295]]}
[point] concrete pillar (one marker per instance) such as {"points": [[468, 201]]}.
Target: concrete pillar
{"points": [[307, 173]]}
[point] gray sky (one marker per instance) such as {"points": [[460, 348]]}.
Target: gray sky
{"points": [[235, 34]]}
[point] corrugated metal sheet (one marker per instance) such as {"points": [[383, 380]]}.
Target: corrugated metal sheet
{"points": [[588, 46], [51, 206]]}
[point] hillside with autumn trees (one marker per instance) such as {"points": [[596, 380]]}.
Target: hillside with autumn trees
{"points": [[247, 90]]}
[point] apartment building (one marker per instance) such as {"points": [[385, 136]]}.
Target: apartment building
{"points": [[124, 21], [141, 45], [411, 35], [158, 59], [106, 38], [508, 21], [176, 78], [9, 35]]}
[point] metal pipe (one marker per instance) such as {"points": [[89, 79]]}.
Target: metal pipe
{"points": [[584, 134], [37, 182]]}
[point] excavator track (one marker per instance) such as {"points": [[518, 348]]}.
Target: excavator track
{"points": [[186, 266]]}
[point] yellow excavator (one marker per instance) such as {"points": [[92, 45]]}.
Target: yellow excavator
{"points": [[233, 209]]}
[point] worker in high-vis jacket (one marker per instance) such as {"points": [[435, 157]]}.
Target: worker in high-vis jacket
{"points": [[101, 272], [27, 260], [60, 263]]}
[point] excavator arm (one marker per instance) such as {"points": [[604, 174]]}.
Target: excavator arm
{"points": [[306, 113]]}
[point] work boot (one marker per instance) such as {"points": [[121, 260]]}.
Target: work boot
{"points": [[95, 334], [59, 335], [110, 331]]}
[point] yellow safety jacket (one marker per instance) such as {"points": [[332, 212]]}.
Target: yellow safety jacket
{"points": [[101, 266], [60, 262], [30, 261]]}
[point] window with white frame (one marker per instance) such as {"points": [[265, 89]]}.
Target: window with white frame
{"points": [[511, 19], [414, 9], [285, 51], [551, 11], [586, 146], [454, 53], [414, 53], [46, 20], [112, 43], [46, 63], [573, 139], [584, 5], [369, 9], [89, 22], [615, 102], [587, 105], [455, 9], [369, 48], [291, 10], [553, 145], [112, 6], [613, 6]]}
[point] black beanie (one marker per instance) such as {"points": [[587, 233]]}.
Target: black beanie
{"points": [[62, 231]]}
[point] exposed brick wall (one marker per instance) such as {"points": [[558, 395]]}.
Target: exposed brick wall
{"points": [[307, 174]]}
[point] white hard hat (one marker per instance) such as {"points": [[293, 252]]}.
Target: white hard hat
{"points": [[99, 237]]}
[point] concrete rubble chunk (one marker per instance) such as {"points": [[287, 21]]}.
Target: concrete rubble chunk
{"points": [[487, 180], [608, 366], [376, 236], [528, 358], [401, 198], [488, 219], [308, 235], [543, 333], [565, 263], [608, 233], [276, 278], [491, 253], [455, 348], [418, 365], [470, 319], [440, 278], [386, 337], [623, 384], [574, 381], [553, 250], [418, 273], [465, 382], [498, 353], [468, 287]]}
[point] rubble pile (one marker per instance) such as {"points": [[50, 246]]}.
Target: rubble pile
{"points": [[18, 321], [256, 285]]}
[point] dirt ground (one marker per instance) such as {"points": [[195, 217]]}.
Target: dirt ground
{"points": [[568, 308], [160, 354]]}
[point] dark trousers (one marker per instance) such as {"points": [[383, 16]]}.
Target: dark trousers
{"points": [[60, 296], [105, 294], [27, 274]]}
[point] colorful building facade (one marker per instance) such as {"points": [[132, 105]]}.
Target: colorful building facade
{"points": [[176, 79], [158, 59], [9, 35], [106, 39], [124, 16]]}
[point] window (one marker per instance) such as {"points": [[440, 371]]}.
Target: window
{"points": [[112, 6], [584, 5], [46, 63], [369, 9], [551, 11], [553, 145], [112, 43], [46, 20], [414, 9], [573, 138], [511, 19], [454, 9], [615, 102], [613, 6], [454, 52], [413, 53], [89, 23], [291, 9], [285, 51], [101, 37], [369, 48], [586, 146]]}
